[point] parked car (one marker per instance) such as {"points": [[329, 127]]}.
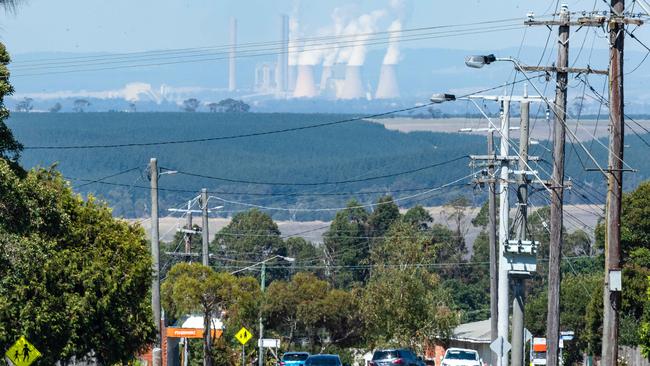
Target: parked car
{"points": [[393, 357], [461, 357], [323, 360], [294, 358]]}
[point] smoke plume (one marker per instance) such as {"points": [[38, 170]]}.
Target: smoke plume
{"points": [[392, 53]]}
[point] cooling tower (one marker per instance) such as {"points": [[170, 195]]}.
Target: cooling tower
{"points": [[387, 87], [325, 77], [232, 82], [305, 86], [353, 86], [291, 77]]}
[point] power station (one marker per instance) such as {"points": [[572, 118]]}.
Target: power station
{"points": [[304, 70]]}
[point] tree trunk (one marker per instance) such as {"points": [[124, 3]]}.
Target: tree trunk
{"points": [[207, 354]]}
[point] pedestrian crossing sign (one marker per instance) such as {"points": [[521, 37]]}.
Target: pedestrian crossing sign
{"points": [[22, 353], [243, 336]]}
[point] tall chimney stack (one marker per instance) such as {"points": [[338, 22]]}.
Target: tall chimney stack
{"points": [[283, 57], [232, 78]]}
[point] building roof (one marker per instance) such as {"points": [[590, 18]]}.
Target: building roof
{"points": [[196, 321], [475, 332]]}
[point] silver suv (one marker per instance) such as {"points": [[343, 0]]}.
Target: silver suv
{"points": [[395, 357]]}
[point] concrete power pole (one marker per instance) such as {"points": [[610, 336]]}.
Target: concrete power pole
{"points": [[503, 298], [188, 235], [522, 202], [156, 353], [205, 231], [612, 290], [260, 356], [492, 238], [557, 189]]}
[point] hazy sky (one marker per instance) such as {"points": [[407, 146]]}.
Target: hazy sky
{"points": [[137, 25]]}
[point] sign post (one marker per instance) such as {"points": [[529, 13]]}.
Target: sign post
{"points": [[22, 353], [243, 336], [500, 346]]}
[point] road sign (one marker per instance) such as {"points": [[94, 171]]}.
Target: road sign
{"points": [[528, 336], [567, 336], [22, 353], [243, 336], [500, 346], [268, 343]]}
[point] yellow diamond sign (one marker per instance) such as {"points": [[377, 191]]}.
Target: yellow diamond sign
{"points": [[243, 336], [22, 353]]}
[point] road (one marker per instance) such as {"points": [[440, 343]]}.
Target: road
{"points": [[540, 129]]}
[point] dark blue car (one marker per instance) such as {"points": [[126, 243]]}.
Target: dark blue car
{"points": [[323, 360], [294, 359]]}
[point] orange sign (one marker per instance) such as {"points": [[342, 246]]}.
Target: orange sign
{"points": [[191, 333]]}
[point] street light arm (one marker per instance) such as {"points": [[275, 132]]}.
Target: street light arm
{"points": [[516, 62], [288, 259]]}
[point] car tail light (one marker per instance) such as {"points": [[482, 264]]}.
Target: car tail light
{"points": [[399, 361]]}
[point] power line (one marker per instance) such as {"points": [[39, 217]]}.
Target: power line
{"points": [[107, 177], [354, 193], [231, 180], [279, 51], [604, 102], [253, 134], [255, 44], [262, 207], [400, 265]]}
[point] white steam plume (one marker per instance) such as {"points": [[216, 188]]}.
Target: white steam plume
{"points": [[294, 34], [357, 31], [392, 53], [366, 24], [339, 19]]}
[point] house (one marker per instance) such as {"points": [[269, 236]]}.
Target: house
{"points": [[474, 335]]}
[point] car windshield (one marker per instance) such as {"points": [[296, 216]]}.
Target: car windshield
{"points": [[322, 361], [461, 355], [294, 357], [383, 355]]}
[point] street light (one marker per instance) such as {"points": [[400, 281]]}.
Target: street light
{"points": [[442, 97], [478, 61], [262, 287]]}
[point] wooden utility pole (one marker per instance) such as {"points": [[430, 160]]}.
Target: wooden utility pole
{"points": [[557, 189], [492, 239], [612, 295], [612, 290], [204, 230], [156, 353]]}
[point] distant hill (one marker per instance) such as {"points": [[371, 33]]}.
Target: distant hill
{"points": [[342, 152], [420, 72]]}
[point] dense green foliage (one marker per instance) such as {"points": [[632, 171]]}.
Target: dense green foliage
{"points": [[355, 150], [374, 282], [194, 288], [10, 149], [73, 279]]}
